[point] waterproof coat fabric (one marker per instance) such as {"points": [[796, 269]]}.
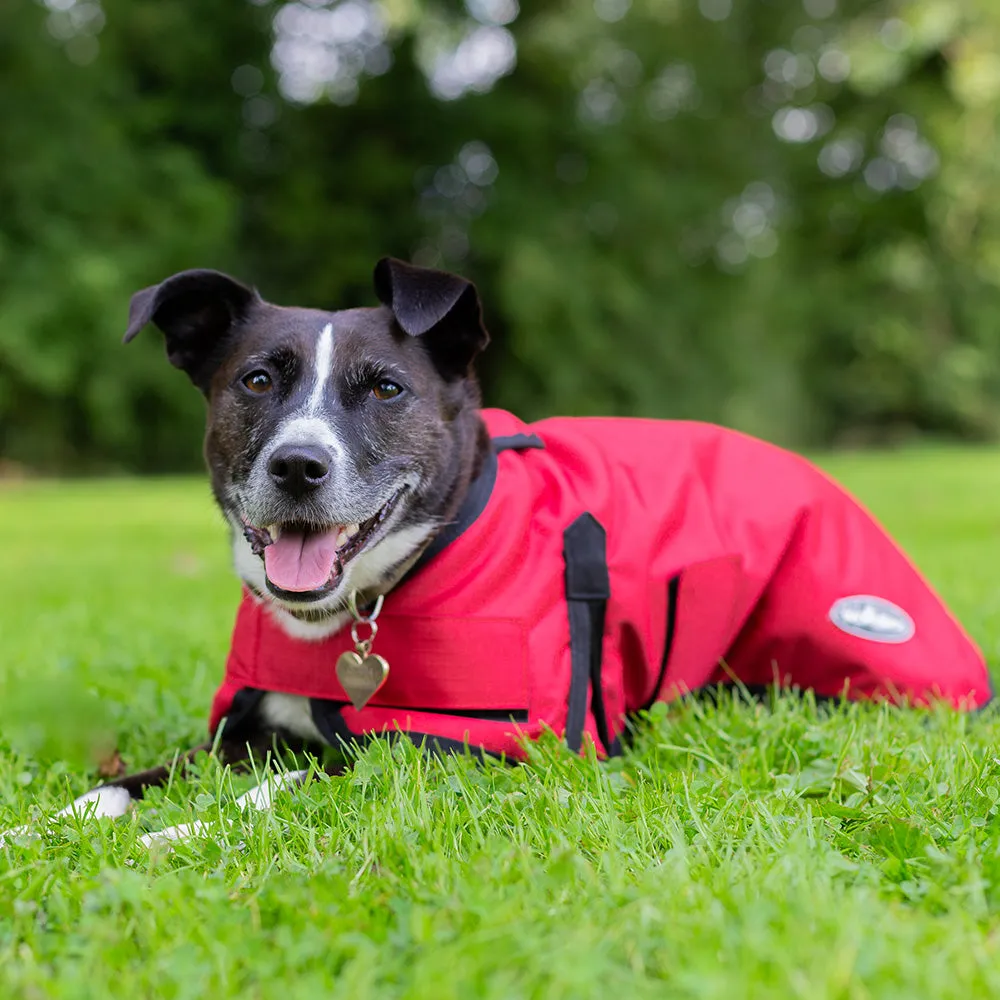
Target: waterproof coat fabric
{"points": [[727, 559]]}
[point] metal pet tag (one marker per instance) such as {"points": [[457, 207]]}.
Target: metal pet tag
{"points": [[360, 671]]}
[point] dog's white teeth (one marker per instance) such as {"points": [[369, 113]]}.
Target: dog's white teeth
{"points": [[273, 530], [341, 538], [352, 530]]}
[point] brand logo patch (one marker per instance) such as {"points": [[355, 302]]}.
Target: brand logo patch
{"points": [[872, 618]]}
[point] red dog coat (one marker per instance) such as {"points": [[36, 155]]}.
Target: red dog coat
{"points": [[601, 565]]}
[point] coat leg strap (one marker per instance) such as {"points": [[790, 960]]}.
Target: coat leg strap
{"points": [[588, 589]]}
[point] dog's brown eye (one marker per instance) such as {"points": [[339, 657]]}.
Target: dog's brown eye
{"points": [[385, 389], [258, 382]]}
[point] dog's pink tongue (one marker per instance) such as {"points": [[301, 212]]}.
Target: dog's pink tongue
{"points": [[301, 560]]}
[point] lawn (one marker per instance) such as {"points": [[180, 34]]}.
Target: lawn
{"points": [[738, 851]]}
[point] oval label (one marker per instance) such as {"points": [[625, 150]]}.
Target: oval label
{"points": [[872, 618]]}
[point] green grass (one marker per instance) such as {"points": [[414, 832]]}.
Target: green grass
{"points": [[739, 851]]}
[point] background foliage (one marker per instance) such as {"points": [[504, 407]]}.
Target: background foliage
{"points": [[783, 216]]}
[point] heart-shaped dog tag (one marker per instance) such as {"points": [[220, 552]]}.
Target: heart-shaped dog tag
{"points": [[361, 677]]}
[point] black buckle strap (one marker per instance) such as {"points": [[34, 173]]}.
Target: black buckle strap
{"points": [[517, 442], [588, 588]]}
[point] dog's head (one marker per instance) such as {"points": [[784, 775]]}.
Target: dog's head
{"points": [[337, 442]]}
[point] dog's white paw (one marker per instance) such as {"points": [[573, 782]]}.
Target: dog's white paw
{"points": [[260, 798], [262, 795], [16, 831], [183, 831], [99, 802]]}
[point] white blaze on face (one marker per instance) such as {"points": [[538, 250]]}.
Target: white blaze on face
{"points": [[324, 357], [304, 426]]}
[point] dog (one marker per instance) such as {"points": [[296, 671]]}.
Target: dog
{"points": [[497, 579]]}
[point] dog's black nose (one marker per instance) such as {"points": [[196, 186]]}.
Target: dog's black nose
{"points": [[296, 468]]}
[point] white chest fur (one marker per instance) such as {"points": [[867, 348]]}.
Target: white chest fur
{"points": [[291, 713]]}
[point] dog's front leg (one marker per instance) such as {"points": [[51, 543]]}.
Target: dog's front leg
{"points": [[231, 753], [260, 797], [114, 798]]}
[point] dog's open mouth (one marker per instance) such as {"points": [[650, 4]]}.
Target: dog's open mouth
{"points": [[304, 562]]}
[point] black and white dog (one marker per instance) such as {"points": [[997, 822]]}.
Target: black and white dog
{"points": [[343, 446]]}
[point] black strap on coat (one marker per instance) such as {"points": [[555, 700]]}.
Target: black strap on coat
{"points": [[588, 588]]}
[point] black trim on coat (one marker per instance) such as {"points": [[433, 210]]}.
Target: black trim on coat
{"points": [[330, 722], [672, 588]]}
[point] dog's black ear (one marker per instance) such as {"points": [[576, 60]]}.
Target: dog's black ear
{"points": [[196, 310], [440, 307]]}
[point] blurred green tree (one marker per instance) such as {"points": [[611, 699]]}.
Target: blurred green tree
{"points": [[780, 216]]}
